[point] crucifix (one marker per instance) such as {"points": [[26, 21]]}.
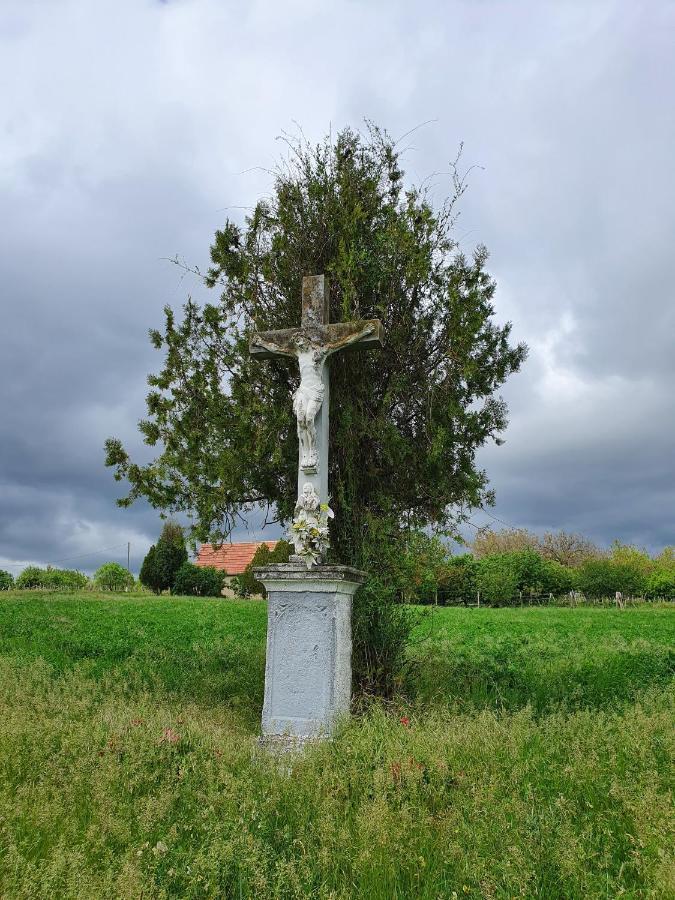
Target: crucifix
{"points": [[312, 344]]}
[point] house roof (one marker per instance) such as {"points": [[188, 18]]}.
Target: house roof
{"points": [[230, 558]]}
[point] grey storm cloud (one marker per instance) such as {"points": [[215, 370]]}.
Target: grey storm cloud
{"points": [[131, 130]]}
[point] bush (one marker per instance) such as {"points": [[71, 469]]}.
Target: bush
{"points": [[246, 584], [198, 581], [381, 629], [164, 559], [604, 577], [381, 624], [525, 573], [458, 584], [661, 585], [65, 579], [6, 580], [497, 584], [556, 579], [112, 576]]}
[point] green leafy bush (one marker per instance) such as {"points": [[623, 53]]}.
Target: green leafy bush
{"points": [[661, 585], [458, 584], [66, 579], [556, 579], [497, 584], [505, 578], [603, 578], [111, 576], [198, 581], [6, 580], [164, 559]]}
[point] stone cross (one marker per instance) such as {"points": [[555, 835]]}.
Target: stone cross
{"points": [[312, 344], [309, 644]]}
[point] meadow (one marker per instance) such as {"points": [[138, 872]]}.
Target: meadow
{"points": [[529, 755]]}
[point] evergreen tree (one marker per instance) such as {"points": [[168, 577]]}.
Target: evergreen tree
{"points": [[405, 424], [164, 559]]}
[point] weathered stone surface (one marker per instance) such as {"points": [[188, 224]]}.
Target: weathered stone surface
{"points": [[308, 668]]}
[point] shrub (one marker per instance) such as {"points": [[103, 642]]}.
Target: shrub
{"points": [[6, 580], [164, 559], [556, 579], [246, 583], [112, 576], [661, 585], [198, 581], [628, 555], [604, 577], [458, 584], [421, 567], [497, 584], [66, 579], [381, 624]]}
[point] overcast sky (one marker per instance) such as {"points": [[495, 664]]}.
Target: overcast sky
{"points": [[131, 129]]}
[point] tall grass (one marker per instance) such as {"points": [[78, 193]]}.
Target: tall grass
{"points": [[129, 765]]}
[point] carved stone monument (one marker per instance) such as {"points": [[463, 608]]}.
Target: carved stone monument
{"points": [[308, 668]]}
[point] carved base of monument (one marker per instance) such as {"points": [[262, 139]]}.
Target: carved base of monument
{"points": [[309, 646]]}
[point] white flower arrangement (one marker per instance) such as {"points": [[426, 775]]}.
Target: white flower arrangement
{"points": [[310, 535]]}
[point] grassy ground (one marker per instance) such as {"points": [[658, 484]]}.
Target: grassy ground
{"points": [[535, 762]]}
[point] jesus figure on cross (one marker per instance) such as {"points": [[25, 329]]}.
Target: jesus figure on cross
{"points": [[311, 349], [311, 345]]}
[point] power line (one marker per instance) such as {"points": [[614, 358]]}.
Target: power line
{"points": [[69, 558], [497, 519]]}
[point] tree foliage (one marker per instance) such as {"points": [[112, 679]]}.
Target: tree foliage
{"points": [[405, 424], [559, 546], [64, 579], [489, 541], [164, 559], [111, 576], [246, 584], [6, 580], [198, 581]]}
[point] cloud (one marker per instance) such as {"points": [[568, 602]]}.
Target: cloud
{"points": [[132, 130]]}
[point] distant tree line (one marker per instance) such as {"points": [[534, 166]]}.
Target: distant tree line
{"points": [[502, 568], [514, 565]]}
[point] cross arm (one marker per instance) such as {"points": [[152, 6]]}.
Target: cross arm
{"points": [[366, 334], [269, 344]]}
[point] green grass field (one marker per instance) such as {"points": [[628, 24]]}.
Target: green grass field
{"points": [[536, 760]]}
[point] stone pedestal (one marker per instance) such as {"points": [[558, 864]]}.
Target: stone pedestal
{"points": [[309, 645]]}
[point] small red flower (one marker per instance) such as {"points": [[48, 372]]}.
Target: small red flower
{"points": [[405, 721]]}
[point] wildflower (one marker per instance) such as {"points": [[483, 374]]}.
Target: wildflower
{"points": [[405, 721]]}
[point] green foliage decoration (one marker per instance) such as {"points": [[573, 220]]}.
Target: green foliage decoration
{"points": [[111, 576]]}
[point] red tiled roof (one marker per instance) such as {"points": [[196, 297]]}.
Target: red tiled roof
{"points": [[230, 558]]}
